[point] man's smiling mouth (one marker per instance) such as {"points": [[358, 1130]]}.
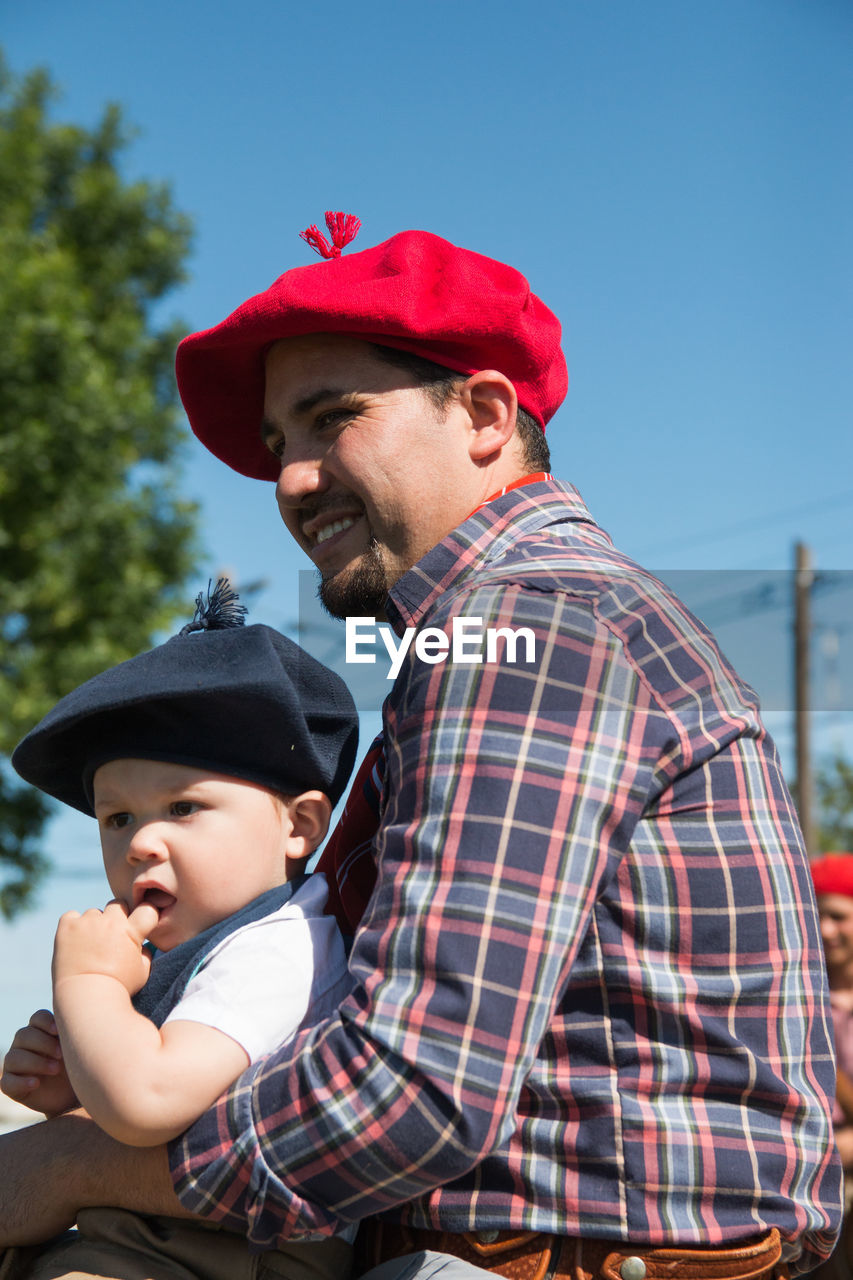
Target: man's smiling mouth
{"points": [[329, 530]]}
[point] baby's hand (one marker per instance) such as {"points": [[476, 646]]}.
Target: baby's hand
{"points": [[33, 1071], [107, 942]]}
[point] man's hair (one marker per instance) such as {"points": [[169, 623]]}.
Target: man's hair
{"points": [[439, 383]]}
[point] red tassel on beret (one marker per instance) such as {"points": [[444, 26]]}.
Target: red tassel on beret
{"points": [[415, 291], [343, 228], [834, 874]]}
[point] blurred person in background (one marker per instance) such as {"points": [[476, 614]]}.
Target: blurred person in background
{"points": [[833, 881]]}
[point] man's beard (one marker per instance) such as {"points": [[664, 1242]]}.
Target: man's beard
{"points": [[361, 591]]}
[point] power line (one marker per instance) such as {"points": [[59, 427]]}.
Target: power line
{"points": [[750, 526], [774, 592]]}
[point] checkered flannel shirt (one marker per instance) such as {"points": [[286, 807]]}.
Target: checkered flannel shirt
{"points": [[590, 994]]}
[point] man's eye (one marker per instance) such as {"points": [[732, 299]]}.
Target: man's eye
{"points": [[276, 446], [332, 418]]}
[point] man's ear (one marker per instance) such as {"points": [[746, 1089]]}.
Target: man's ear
{"points": [[492, 406], [309, 814]]}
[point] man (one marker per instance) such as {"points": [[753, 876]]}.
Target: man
{"points": [[590, 1021]]}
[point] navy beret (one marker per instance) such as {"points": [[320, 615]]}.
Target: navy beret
{"points": [[245, 701]]}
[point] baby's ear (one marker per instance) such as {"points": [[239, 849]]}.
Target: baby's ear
{"points": [[309, 815]]}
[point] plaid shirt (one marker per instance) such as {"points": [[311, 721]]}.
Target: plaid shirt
{"points": [[590, 993]]}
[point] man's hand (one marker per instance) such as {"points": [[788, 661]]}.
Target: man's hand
{"points": [[33, 1071], [53, 1169], [107, 942]]}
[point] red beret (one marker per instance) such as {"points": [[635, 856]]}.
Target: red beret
{"points": [[834, 874], [415, 291]]}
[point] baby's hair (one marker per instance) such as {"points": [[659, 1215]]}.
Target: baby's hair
{"points": [[282, 800]]}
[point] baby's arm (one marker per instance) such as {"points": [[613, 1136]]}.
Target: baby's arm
{"points": [[143, 1085]]}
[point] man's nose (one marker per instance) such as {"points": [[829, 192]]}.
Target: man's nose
{"points": [[300, 477]]}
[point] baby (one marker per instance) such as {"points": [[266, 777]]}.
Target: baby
{"points": [[211, 764]]}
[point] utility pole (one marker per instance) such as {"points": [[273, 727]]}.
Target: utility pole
{"points": [[803, 580]]}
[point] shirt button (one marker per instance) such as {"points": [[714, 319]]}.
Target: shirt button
{"points": [[633, 1269], [489, 1237]]}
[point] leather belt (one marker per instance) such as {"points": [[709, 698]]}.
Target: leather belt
{"points": [[534, 1255]]}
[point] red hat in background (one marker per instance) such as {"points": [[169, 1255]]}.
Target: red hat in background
{"points": [[833, 874], [415, 291]]}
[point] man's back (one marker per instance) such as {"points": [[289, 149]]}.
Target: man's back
{"points": [[649, 964]]}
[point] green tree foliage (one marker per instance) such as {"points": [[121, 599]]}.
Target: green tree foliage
{"points": [[834, 791], [95, 543]]}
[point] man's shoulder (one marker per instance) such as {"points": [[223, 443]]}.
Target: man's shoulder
{"points": [[544, 535], [582, 589], [563, 558]]}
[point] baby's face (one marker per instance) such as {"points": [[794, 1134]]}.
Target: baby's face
{"points": [[196, 845]]}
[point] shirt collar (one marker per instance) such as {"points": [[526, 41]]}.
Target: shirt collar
{"points": [[522, 508], [532, 477]]}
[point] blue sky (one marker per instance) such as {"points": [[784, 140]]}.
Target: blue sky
{"points": [[673, 177]]}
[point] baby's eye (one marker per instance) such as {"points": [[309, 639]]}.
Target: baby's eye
{"points": [[183, 808], [115, 821]]}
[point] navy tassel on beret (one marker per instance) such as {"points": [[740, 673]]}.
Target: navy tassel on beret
{"points": [[237, 700]]}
